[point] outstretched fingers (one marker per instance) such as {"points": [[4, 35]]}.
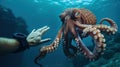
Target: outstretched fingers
{"points": [[44, 30], [32, 32]]}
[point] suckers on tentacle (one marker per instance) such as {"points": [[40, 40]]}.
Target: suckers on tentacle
{"points": [[99, 42], [109, 29], [51, 48], [54, 45], [110, 21], [67, 47]]}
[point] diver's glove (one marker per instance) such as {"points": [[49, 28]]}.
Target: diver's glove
{"points": [[33, 39]]}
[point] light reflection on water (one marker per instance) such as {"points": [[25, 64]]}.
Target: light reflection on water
{"points": [[67, 2]]}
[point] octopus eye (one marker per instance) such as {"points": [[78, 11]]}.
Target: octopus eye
{"points": [[77, 15]]}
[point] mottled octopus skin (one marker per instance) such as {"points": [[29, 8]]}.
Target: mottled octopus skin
{"points": [[76, 25]]}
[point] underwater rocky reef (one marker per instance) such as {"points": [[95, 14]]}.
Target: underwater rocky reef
{"points": [[10, 24]]}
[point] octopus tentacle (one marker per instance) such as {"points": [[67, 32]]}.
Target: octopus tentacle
{"points": [[96, 35], [39, 57], [55, 43], [99, 47], [68, 53], [106, 28], [80, 26], [67, 46], [50, 48], [82, 48], [112, 23], [80, 45], [99, 43]]}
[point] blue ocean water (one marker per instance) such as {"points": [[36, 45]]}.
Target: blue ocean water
{"points": [[39, 13]]}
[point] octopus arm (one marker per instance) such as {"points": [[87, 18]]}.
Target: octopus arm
{"points": [[99, 43], [39, 57], [54, 44], [110, 21], [67, 46], [79, 25], [109, 29]]}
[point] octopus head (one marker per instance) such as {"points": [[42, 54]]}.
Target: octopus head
{"points": [[71, 13], [67, 13]]}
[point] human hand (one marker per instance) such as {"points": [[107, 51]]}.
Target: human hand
{"points": [[34, 38]]}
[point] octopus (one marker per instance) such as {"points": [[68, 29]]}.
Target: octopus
{"points": [[79, 23]]}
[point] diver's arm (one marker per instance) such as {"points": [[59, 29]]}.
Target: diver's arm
{"points": [[10, 45]]}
